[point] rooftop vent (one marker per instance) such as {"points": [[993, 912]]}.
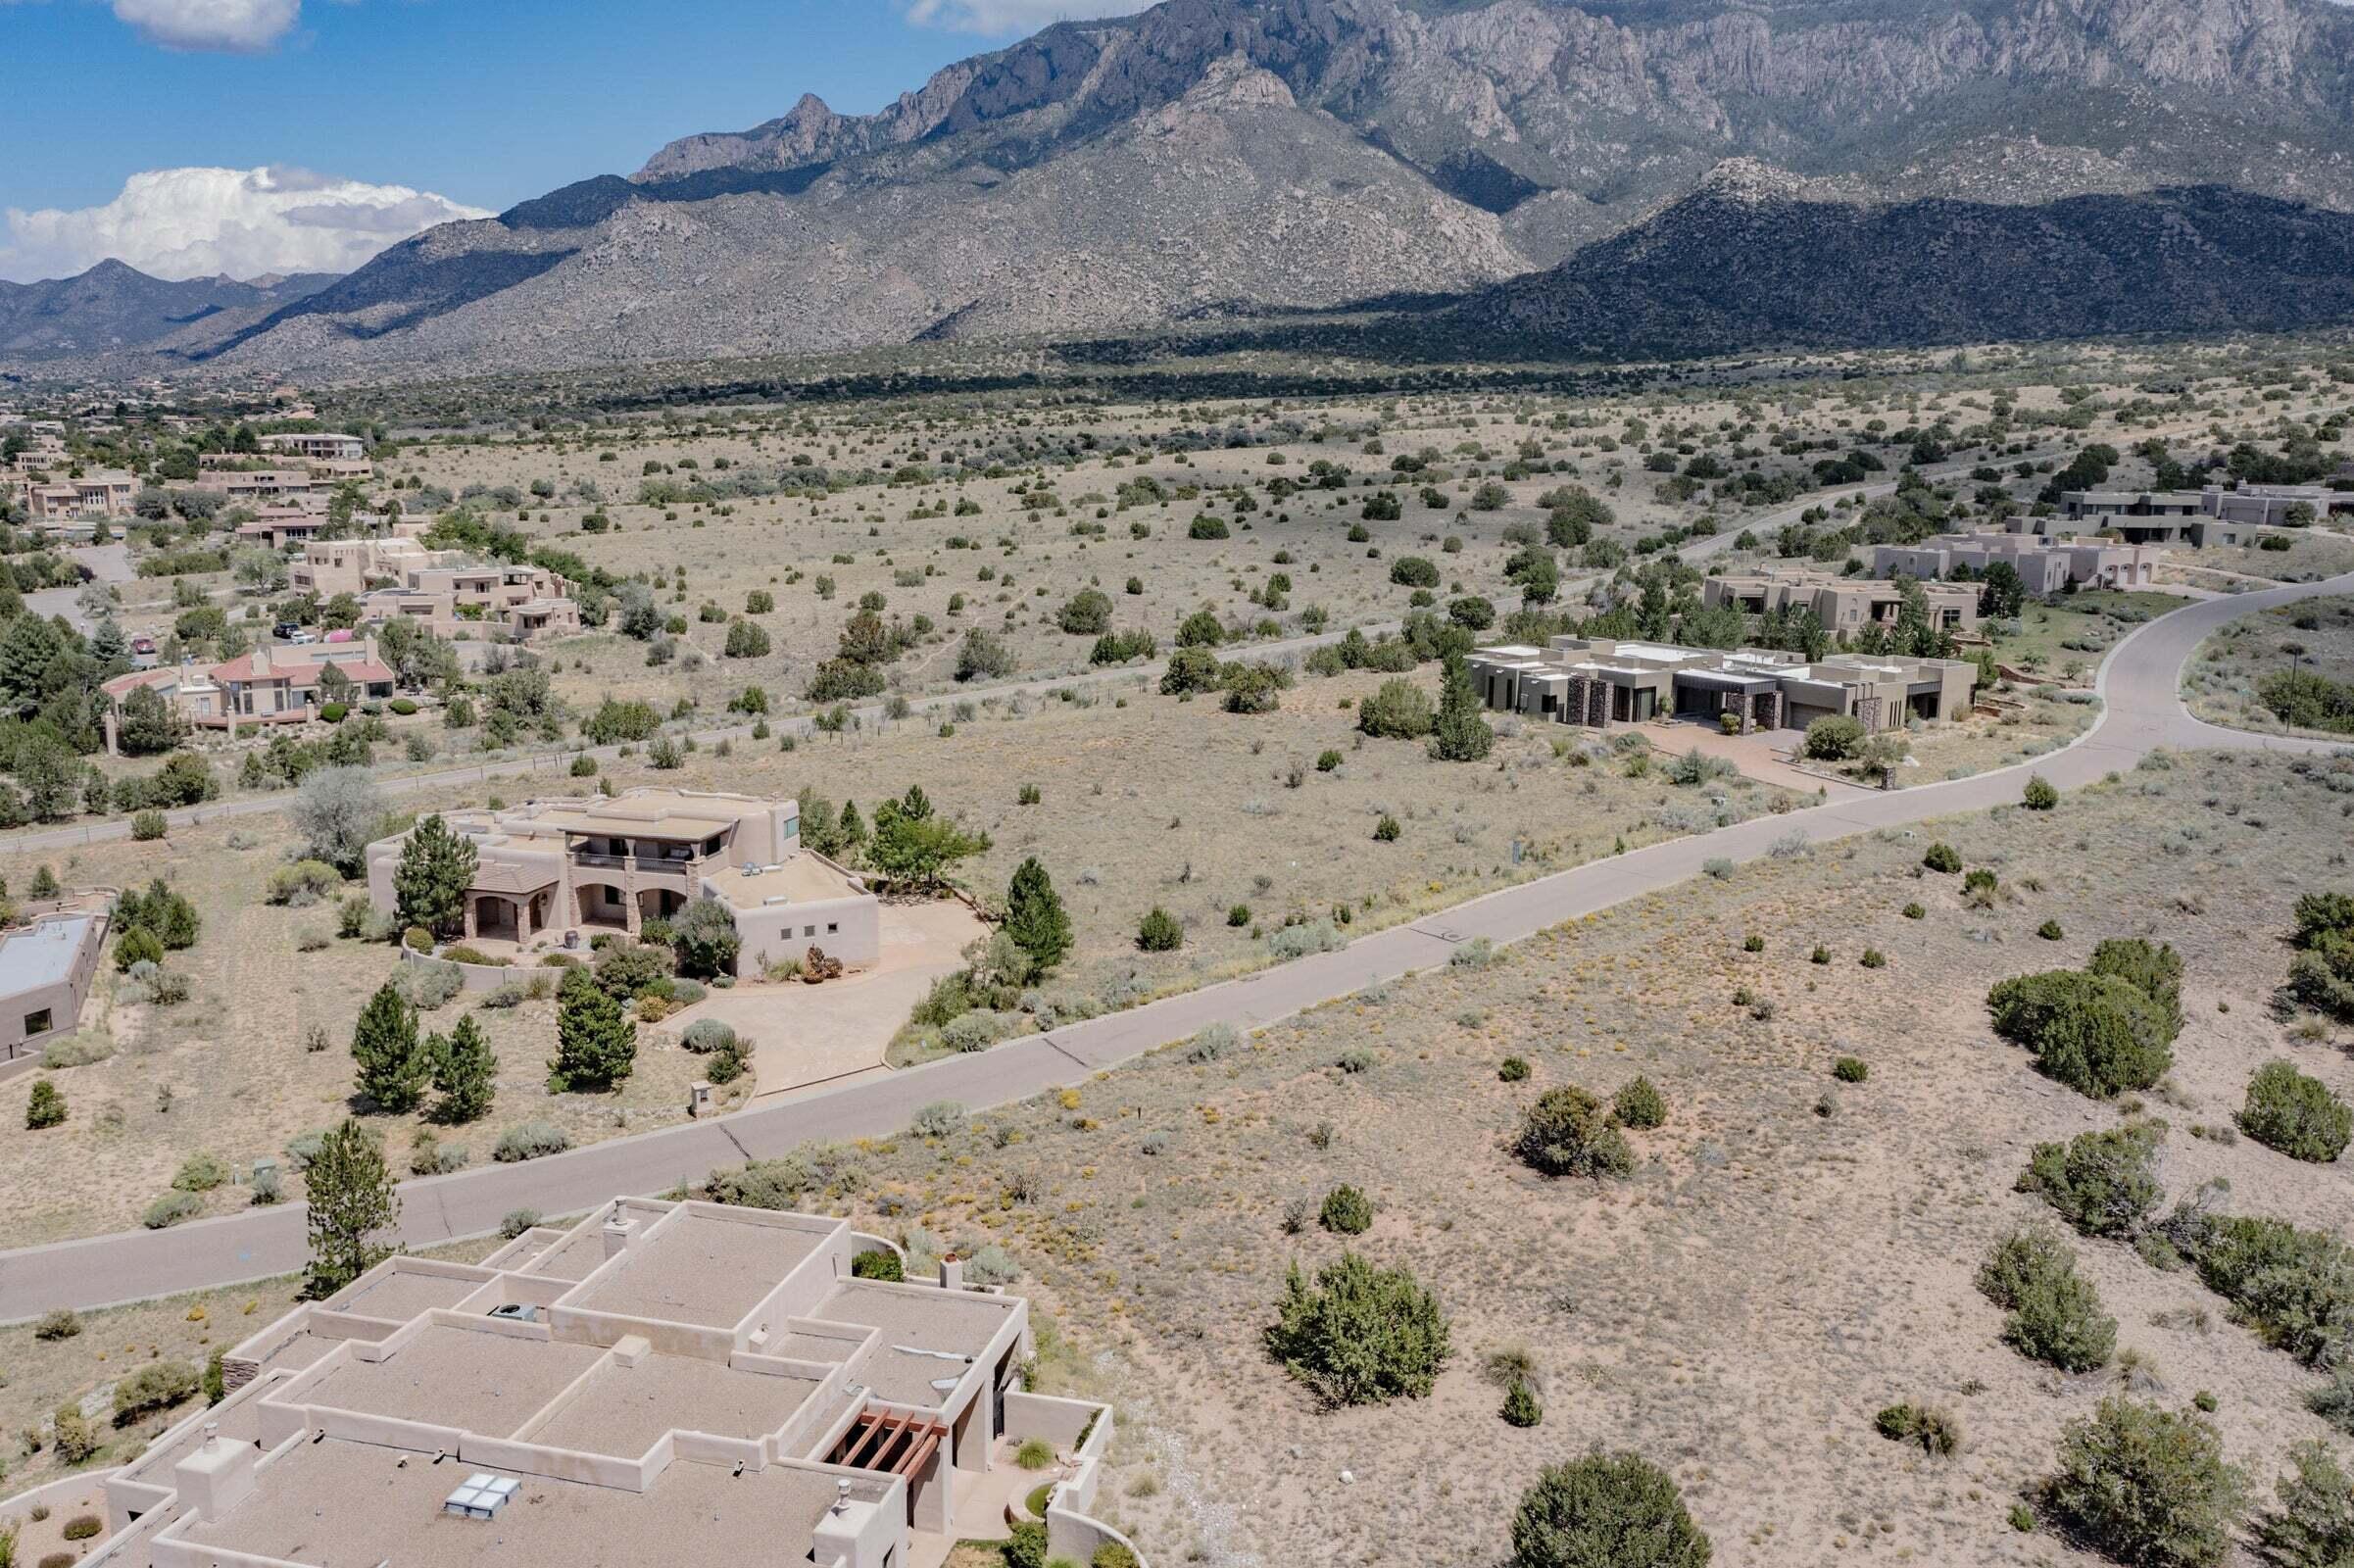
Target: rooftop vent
{"points": [[481, 1497]]}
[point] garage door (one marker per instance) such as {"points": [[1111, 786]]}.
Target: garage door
{"points": [[1801, 715]]}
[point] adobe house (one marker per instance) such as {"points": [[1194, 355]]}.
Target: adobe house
{"points": [[45, 970], [662, 1382], [2045, 565], [1844, 606], [547, 870], [1598, 682]]}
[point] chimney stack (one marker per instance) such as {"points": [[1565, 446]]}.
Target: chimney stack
{"points": [[951, 1272]]}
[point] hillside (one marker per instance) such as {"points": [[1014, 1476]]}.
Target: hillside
{"points": [[113, 307], [1208, 154]]}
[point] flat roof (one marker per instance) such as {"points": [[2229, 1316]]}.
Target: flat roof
{"points": [[799, 879], [929, 1338], [344, 1504], [477, 1380], [43, 954], [695, 1269], [402, 1294], [623, 1410]]}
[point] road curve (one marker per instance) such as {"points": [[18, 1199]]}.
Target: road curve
{"points": [[2139, 683]]}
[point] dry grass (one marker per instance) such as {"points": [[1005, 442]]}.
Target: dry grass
{"points": [[2314, 635], [1790, 1255]]}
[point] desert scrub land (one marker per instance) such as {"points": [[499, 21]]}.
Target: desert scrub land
{"points": [[258, 1053], [2063, 640], [2283, 670], [2312, 554], [1789, 1253], [74, 1357]]}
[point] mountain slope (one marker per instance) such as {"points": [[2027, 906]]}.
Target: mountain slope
{"points": [[113, 307], [1755, 260], [1109, 176]]}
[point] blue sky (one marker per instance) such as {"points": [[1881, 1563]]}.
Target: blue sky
{"points": [[481, 102]]}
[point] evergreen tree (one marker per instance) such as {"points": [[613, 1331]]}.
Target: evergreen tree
{"points": [[437, 866], [1461, 736], [46, 1107], [596, 1045], [852, 829], [351, 1199], [393, 1066], [1035, 917], [466, 1073]]}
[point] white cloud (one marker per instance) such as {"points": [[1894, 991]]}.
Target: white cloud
{"points": [[997, 16], [196, 222], [232, 27]]}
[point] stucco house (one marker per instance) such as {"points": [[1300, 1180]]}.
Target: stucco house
{"points": [[1596, 682], [550, 873], [45, 970], [273, 684], [2045, 565], [1844, 606]]}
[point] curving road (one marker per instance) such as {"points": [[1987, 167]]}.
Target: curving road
{"points": [[2139, 684]]}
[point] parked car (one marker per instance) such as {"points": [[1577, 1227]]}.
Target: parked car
{"points": [[302, 634], [284, 631], [143, 645]]}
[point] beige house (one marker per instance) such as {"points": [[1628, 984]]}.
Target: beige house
{"points": [[45, 970], [1598, 682], [322, 445], [272, 685], [454, 598], [88, 498], [1844, 606], [2202, 518], [2045, 565], [660, 1383], [549, 873], [253, 486], [281, 526], [331, 566]]}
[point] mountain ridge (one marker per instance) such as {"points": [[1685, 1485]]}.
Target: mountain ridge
{"points": [[1118, 174]]}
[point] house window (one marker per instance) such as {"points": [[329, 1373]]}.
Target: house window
{"points": [[37, 1023], [808, 930], [832, 927]]}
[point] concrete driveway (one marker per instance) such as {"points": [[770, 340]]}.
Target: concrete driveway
{"points": [[1766, 756], [805, 1036]]}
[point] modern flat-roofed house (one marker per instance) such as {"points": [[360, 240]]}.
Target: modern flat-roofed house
{"points": [[455, 598], [660, 1382], [1598, 681], [548, 869], [331, 566], [279, 527], [324, 445], [88, 498], [2045, 565], [2202, 518], [252, 486], [46, 970], [1844, 606]]}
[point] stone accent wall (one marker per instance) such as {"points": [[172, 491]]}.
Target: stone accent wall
{"points": [[1597, 704], [1867, 711], [1769, 709]]}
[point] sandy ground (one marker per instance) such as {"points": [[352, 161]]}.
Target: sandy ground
{"points": [[808, 1035]]}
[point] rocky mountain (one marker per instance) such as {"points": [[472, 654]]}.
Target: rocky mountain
{"points": [[1744, 264], [1213, 155], [112, 307]]}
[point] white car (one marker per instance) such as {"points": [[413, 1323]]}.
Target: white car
{"points": [[302, 635]]}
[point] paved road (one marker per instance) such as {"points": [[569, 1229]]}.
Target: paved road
{"points": [[2139, 684]]}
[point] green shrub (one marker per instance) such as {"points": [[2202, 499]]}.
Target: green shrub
{"points": [[1567, 1133], [1386, 829], [1937, 1432], [1833, 738], [1874, 958], [1914, 912], [2040, 795], [2295, 1286], [1159, 932], [707, 1035], [2055, 1314], [1521, 1409], [157, 1386], [2096, 1033], [2147, 1485], [83, 1527], [517, 1221], [1513, 1069], [148, 826], [876, 1263], [1026, 1546], [2333, 1401], [1033, 1453], [1943, 858], [2156, 972], [1360, 1335], [1852, 1069], [2320, 975], [2102, 1183], [58, 1323], [302, 884], [2314, 1525], [45, 1106], [2051, 931], [2298, 1115], [1640, 1104], [1399, 711], [1347, 1212], [200, 1173], [1607, 1512], [171, 1210], [70, 1435], [1112, 1555], [530, 1140]]}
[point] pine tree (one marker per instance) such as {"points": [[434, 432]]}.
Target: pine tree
{"points": [[351, 1199], [1035, 917], [437, 866], [1521, 1409], [1461, 735], [596, 1045], [852, 829], [466, 1073], [393, 1066], [46, 1107]]}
